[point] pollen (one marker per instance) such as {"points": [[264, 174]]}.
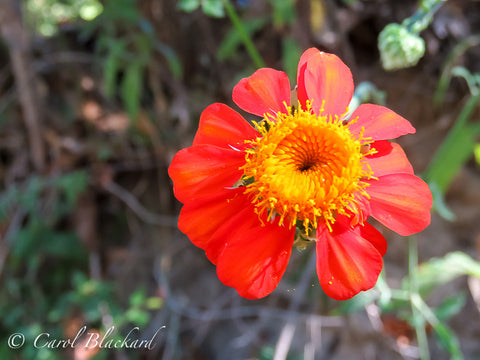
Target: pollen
{"points": [[306, 168]]}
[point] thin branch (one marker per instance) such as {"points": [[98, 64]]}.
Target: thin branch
{"points": [[131, 201], [286, 336]]}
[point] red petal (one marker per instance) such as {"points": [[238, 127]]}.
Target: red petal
{"points": [[265, 91], [390, 159], [302, 66], [201, 218], [222, 126], [201, 170], [379, 123], [349, 260], [328, 79], [362, 212], [254, 261], [401, 202], [244, 219]]}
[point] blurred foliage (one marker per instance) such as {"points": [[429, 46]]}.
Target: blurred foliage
{"points": [[44, 276], [400, 44], [407, 302], [62, 191], [399, 48], [46, 15], [127, 43], [458, 146], [213, 8], [44, 272]]}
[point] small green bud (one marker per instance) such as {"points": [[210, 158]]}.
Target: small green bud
{"points": [[399, 48]]}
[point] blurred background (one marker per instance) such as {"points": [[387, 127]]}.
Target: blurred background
{"points": [[96, 96]]}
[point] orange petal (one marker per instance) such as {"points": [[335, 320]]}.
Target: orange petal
{"points": [[389, 159], [379, 122], [222, 126], [254, 260], [349, 260], [401, 202], [327, 79], [265, 91], [201, 170]]}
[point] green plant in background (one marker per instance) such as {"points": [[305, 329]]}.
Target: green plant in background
{"points": [[46, 15], [31, 309], [126, 44], [476, 152], [38, 257], [408, 302], [43, 276], [213, 8], [461, 141], [458, 146], [283, 14], [62, 193], [400, 45]]}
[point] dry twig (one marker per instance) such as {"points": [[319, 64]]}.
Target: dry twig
{"points": [[16, 38]]}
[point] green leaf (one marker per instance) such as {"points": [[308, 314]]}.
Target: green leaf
{"points": [[111, 66], [291, 53], [284, 12], [72, 184], [439, 271], [456, 149], [448, 340], [137, 298], [470, 79], [137, 316], [453, 57], [131, 88], [188, 5], [39, 240], [29, 197], [476, 151], [445, 335], [439, 203], [450, 306], [154, 303], [356, 303], [231, 41], [213, 8], [125, 11], [173, 60]]}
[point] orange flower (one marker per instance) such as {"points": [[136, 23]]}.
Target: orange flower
{"points": [[302, 173]]}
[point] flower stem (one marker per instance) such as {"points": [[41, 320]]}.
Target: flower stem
{"points": [[418, 320], [423, 17], [243, 33]]}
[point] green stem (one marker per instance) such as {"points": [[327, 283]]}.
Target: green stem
{"points": [[243, 33], [442, 330], [460, 49], [420, 20], [418, 320], [366, 92]]}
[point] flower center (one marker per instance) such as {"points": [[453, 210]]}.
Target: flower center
{"points": [[306, 168]]}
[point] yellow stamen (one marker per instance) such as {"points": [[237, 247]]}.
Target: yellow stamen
{"points": [[307, 168]]}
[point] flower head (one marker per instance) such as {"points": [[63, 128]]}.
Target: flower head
{"points": [[301, 170], [399, 47]]}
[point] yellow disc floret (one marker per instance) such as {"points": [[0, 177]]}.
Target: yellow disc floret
{"points": [[306, 168]]}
